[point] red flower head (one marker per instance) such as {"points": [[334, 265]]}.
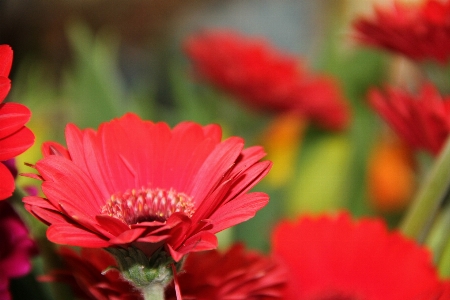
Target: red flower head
{"points": [[423, 121], [419, 31], [140, 183], [235, 274], [15, 138], [16, 248], [83, 272], [266, 79], [336, 258]]}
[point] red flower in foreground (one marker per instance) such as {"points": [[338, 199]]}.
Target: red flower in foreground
{"points": [[423, 121], [83, 272], [263, 78], [15, 138], [16, 248], [141, 183], [419, 31], [235, 274], [337, 258]]}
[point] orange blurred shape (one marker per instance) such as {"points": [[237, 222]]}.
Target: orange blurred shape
{"points": [[281, 140], [390, 175]]}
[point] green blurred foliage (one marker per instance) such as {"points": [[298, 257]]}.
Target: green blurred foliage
{"points": [[321, 183]]}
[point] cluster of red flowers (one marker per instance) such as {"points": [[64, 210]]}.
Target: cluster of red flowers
{"points": [[264, 78], [420, 31]]}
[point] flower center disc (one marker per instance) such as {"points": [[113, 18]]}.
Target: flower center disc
{"points": [[147, 205]]}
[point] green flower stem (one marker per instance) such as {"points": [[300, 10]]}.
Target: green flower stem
{"points": [[439, 239], [151, 274], [153, 292], [419, 218], [444, 261]]}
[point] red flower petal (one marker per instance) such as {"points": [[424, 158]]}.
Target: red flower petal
{"points": [[6, 56], [200, 242], [52, 148], [127, 237], [15, 144], [13, 116], [219, 162], [115, 226], [38, 202], [238, 211], [68, 234], [5, 86], [6, 182]]}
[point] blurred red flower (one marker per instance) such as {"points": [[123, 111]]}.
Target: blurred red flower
{"points": [[16, 248], [422, 121], [235, 274], [83, 272], [15, 138], [141, 183], [420, 31], [266, 79], [337, 258]]}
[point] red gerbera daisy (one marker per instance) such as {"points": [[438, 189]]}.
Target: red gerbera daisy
{"points": [[336, 258], [423, 121], [15, 138], [86, 273], [140, 183], [266, 79], [419, 31], [235, 274]]}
